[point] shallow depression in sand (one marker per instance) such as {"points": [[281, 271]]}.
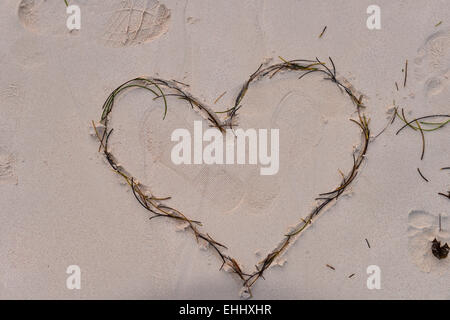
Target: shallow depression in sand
{"points": [[432, 66], [7, 163], [423, 228], [213, 183], [43, 17], [136, 21]]}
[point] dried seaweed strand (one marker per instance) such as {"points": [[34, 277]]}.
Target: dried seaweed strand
{"points": [[445, 195], [423, 177], [437, 125], [423, 139], [220, 97], [391, 121], [419, 123], [182, 83], [406, 73], [323, 31], [409, 123]]}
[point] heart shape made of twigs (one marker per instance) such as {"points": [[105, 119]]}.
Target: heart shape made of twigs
{"points": [[163, 89]]}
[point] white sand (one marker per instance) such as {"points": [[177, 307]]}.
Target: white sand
{"points": [[61, 204]]}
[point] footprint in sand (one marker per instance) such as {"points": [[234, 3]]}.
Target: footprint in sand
{"points": [[423, 228], [214, 182], [432, 65], [119, 23], [136, 21], [43, 17], [221, 189], [7, 163], [261, 194]]}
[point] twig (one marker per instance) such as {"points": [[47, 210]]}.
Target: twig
{"points": [[423, 140], [219, 97], [182, 83], [331, 267], [437, 125], [391, 121], [406, 73], [368, 244], [418, 170], [445, 195], [323, 31]]}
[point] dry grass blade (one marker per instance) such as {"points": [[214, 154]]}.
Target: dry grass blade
{"points": [[406, 73], [445, 195], [220, 97], [409, 123], [419, 123], [423, 140], [423, 177], [390, 122], [323, 31]]}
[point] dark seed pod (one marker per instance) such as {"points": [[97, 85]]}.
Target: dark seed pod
{"points": [[440, 252]]}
